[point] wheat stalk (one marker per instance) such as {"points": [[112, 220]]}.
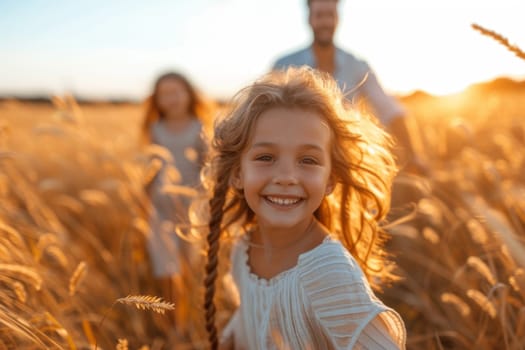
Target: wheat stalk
{"points": [[12, 234], [141, 302], [457, 302], [483, 302], [20, 291], [517, 281], [76, 278], [94, 198], [58, 255], [479, 265], [29, 273], [500, 39], [88, 332], [477, 231], [147, 302]]}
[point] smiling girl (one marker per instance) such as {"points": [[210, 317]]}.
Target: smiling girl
{"points": [[301, 182]]}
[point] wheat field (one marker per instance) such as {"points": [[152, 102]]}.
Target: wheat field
{"points": [[75, 274]]}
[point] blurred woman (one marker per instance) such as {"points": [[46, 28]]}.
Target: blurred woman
{"points": [[174, 120]]}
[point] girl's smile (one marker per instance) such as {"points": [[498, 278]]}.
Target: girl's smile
{"points": [[283, 201]]}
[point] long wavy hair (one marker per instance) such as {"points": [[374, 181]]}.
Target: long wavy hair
{"points": [[198, 107], [363, 169]]}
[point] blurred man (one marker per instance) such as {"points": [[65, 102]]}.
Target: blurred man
{"points": [[354, 76]]}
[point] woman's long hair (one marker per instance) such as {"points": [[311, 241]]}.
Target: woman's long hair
{"points": [[363, 168]]}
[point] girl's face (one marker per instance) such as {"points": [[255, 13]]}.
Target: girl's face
{"points": [[173, 98], [285, 168]]}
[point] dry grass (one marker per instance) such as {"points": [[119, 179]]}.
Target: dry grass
{"points": [[458, 288], [73, 220]]}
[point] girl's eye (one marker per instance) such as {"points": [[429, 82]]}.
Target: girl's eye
{"points": [[264, 158], [309, 161]]}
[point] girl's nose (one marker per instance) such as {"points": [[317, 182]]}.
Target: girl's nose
{"points": [[285, 173]]}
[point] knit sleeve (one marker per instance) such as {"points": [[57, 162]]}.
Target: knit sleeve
{"points": [[344, 308], [381, 333]]}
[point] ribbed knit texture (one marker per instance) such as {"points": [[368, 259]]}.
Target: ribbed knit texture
{"points": [[324, 302]]}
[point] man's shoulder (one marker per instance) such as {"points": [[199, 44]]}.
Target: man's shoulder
{"points": [[351, 59], [295, 58]]}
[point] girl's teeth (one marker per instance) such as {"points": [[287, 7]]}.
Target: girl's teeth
{"points": [[283, 201]]}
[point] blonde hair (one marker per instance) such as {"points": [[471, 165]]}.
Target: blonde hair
{"points": [[363, 168]]}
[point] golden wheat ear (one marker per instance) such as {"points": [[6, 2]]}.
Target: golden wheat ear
{"points": [[141, 302], [500, 39], [77, 277], [147, 302]]}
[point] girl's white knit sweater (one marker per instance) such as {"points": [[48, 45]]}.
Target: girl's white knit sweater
{"points": [[324, 302]]}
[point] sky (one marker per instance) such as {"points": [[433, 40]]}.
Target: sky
{"points": [[116, 49]]}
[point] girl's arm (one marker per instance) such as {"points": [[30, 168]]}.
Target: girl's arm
{"points": [[350, 318], [377, 336], [344, 307]]}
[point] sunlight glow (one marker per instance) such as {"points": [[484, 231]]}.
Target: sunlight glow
{"points": [[223, 45]]}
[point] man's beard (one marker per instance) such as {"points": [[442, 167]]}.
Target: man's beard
{"points": [[324, 40]]}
